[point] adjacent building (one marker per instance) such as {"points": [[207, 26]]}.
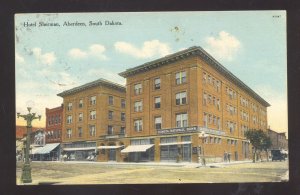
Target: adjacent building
{"points": [[187, 107], [93, 121], [54, 119], [279, 140]]}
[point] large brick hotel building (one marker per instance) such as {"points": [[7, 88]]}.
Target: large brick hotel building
{"points": [[187, 105], [183, 106]]}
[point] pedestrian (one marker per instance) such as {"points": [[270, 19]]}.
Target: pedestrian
{"points": [[225, 156], [229, 154]]}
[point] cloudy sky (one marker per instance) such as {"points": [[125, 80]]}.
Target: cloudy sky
{"points": [[51, 59]]}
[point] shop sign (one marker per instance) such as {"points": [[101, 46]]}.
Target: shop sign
{"points": [[211, 131], [177, 130]]}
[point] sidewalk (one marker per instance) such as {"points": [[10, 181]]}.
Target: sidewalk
{"points": [[168, 164]]}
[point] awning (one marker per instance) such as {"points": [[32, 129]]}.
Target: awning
{"points": [[174, 143], [136, 148], [109, 147], [45, 149], [75, 149]]}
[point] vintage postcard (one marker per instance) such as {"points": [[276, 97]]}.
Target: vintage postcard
{"points": [[150, 98]]}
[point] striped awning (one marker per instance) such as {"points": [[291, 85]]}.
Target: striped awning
{"points": [[45, 149], [174, 143]]}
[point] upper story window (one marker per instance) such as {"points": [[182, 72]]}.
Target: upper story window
{"points": [[157, 102], [205, 119], [123, 103], [137, 88], [80, 117], [69, 133], [180, 77], [69, 119], [181, 98], [157, 83], [204, 77], [80, 105], [110, 100], [92, 129], [110, 115], [110, 130], [69, 107], [157, 122], [204, 98], [56, 119], [93, 100], [93, 114], [138, 106], [122, 116], [181, 120], [79, 131], [138, 125], [122, 130]]}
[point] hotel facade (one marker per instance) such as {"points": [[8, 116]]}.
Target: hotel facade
{"points": [[94, 121], [187, 107]]}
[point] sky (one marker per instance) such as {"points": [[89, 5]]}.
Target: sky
{"points": [[51, 59]]}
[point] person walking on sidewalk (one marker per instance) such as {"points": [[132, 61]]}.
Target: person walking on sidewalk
{"points": [[229, 154], [225, 156]]}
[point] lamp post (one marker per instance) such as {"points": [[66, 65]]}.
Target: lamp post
{"points": [[26, 170]]}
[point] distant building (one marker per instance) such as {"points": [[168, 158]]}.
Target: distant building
{"points": [[279, 140], [54, 120], [93, 120]]}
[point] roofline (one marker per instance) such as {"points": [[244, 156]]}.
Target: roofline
{"points": [[99, 82], [193, 51]]}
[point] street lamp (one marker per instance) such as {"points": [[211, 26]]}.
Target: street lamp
{"points": [[26, 170]]}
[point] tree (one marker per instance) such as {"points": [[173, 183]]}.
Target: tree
{"points": [[259, 140]]}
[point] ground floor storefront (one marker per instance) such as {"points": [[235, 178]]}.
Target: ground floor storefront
{"points": [[187, 145]]}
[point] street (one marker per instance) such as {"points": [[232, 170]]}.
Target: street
{"points": [[118, 173]]}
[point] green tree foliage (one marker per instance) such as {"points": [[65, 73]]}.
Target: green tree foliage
{"points": [[259, 140]]}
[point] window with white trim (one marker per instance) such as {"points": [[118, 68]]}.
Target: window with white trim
{"points": [[93, 100], [79, 131], [93, 114], [69, 107], [80, 105], [157, 83], [92, 129], [138, 125], [69, 133], [180, 77], [80, 117], [182, 120], [205, 119], [157, 122], [204, 98], [157, 102], [138, 105], [122, 116], [138, 89], [123, 103], [110, 100], [110, 130], [69, 119], [181, 98], [110, 114]]}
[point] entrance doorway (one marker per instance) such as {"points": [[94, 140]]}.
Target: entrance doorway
{"points": [[112, 154], [186, 153]]}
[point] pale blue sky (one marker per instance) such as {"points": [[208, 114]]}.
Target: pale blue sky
{"points": [[252, 45]]}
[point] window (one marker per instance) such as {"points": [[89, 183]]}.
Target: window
{"points": [[181, 98], [138, 125], [69, 107], [69, 119], [182, 120], [205, 119], [157, 102], [218, 123], [168, 139], [123, 103], [69, 133], [218, 104], [93, 100], [80, 117], [80, 105], [79, 131], [137, 89], [204, 98], [56, 119], [218, 86], [186, 138], [138, 106], [204, 77], [157, 83], [122, 130], [110, 130], [110, 114], [92, 130], [209, 99], [110, 100], [93, 114], [157, 122], [122, 116], [210, 119], [180, 77]]}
